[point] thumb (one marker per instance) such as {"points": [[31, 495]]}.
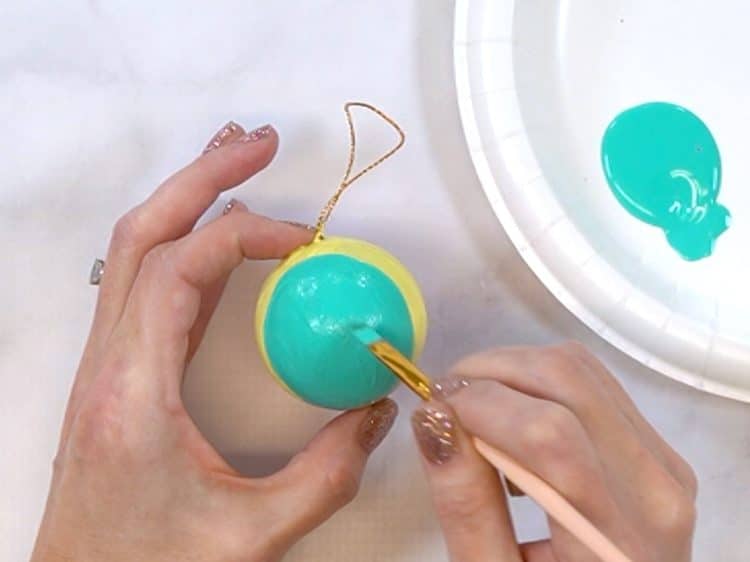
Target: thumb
{"points": [[325, 476], [466, 491]]}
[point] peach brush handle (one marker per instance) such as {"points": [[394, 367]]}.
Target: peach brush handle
{"points": [[553, 503]]}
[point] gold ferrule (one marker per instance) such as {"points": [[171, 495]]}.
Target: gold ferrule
{"points": [[404, 369]]}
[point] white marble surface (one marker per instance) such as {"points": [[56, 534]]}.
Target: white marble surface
{"points": [[100, 100]]}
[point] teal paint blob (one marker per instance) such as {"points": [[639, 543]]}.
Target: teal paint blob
{"points": [[367, 336], [309, 326], [663, 165]]}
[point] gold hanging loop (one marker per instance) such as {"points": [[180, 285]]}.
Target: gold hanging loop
{"points": [[349, 179]]}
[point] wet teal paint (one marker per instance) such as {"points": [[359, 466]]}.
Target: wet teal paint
{"points": [[663, 165], [314, 309]]}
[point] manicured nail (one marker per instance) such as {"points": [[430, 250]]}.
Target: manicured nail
{"points": [[435, 430], [300, 225], [257, 134], [379, 420], [221, 137], [449, 386], [229, 206]]}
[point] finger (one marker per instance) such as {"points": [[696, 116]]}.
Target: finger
{"points": [[166, 298], [548, 439], [224, 136], [550, 382], [171, 212], [466, 490], [558, 375], [538, 551], [211, 296], [326, 475], [670, 458], [551, 374]]}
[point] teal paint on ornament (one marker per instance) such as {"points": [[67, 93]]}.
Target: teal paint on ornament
{"points": [[663, 165], [314, 309]]}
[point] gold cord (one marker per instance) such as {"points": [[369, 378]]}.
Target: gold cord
{"points": [[348, 178]]}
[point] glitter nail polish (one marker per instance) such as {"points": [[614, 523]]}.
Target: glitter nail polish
{"points": [[377, 424], [436, 434], [257, 134], [220, 138]]}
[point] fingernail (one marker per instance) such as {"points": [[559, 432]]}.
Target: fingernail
{"points": [[257, 134], [229, 206], [376, 425], [220, 138], [436, 434], [449, 386], [300, 225]]}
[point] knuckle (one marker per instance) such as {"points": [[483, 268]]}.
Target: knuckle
{"points": [[164, 277], [159, 264], [156, 258], [566, 375], [549, 430], [463, 504], [559, 364], [685, 474], [575, 349], [558, 442], [128, 229], [690, 479], [573, 480], [472, 362], [58, 462], [342, 484], [676, 518]]}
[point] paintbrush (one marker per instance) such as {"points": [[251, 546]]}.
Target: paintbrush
{"points": [[532, 485]]}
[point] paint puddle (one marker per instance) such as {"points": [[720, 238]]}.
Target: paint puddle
{"points": [[663, 165]]}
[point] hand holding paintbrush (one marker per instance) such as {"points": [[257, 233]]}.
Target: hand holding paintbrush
{"points": [[581, 465]]}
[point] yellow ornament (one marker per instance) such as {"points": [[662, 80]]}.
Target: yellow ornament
{"points": [[309, 307], [317, 297]]}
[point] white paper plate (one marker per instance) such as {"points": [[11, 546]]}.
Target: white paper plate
{"points": [[538, 83]]}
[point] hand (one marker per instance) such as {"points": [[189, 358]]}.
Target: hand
{"points": [[560, 413], [133, 478]]}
